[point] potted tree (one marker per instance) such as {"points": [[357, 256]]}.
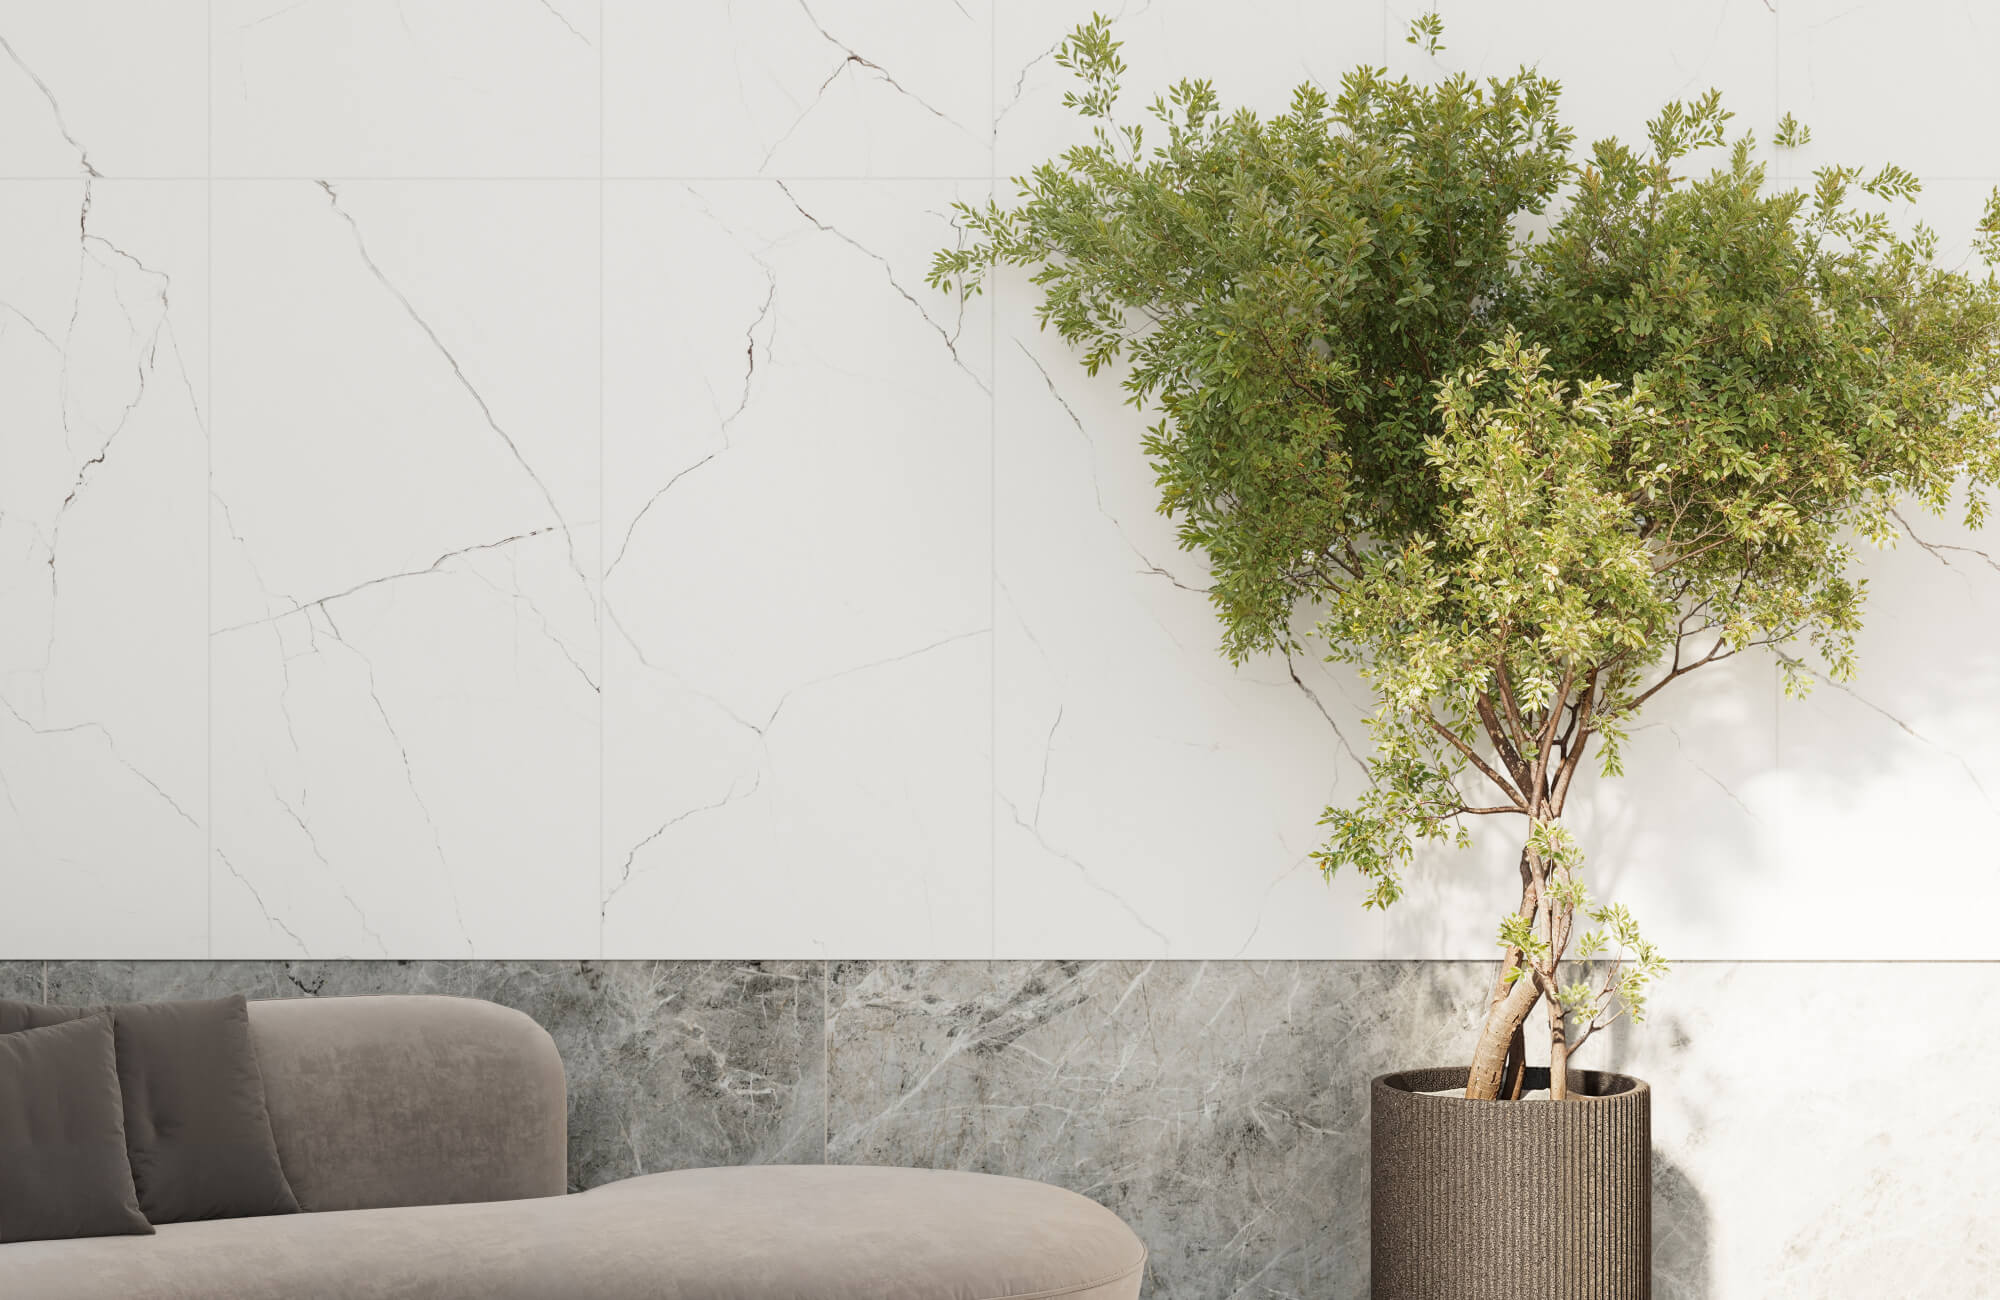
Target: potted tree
{"points": [[1535, 436]]}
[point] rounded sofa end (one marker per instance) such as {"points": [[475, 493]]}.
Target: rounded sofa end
{"points": [[390, 1100]]}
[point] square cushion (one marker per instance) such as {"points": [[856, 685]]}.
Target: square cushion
{"points": [[197, 1131], [63, 1170]]}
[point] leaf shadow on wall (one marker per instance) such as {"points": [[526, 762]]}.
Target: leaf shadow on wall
{"points": [[1687, 824], [1683, 1226]]}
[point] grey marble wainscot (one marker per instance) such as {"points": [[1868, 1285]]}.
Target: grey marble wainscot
{"points": [[1807, 1141]]}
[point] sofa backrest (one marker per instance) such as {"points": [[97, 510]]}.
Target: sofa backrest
{"points": [[383, 1101]]}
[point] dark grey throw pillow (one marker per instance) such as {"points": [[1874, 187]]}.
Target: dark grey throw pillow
{"points": [[197, 1131], [63, 1170]]}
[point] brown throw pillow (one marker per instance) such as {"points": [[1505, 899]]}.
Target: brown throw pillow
{"points": [[63, 1170], [196, 1128]]}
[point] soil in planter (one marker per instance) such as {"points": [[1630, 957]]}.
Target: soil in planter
{"points": [[1533, 1094]]}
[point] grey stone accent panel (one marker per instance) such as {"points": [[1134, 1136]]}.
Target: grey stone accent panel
{"points": [[21, 981], [671, 1065], [1219, 1107]]}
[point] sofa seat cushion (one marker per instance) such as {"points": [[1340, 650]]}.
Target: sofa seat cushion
{"points": [[769, 1232]]}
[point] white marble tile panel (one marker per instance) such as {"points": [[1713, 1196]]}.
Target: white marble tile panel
{"points": [[1890, 794], [797, 595], [110, 87], [1618, 63], [733, 88], [1908, 82], [405, 88], [103, 567], [1254, 51], [1694, 821], [404, 519], [1150, 799]]}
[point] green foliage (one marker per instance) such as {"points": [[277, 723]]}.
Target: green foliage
{"points": [[1532, 434], [1427, 30]]}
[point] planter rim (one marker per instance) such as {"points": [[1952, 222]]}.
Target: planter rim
{"points": [[1585, 1085]]}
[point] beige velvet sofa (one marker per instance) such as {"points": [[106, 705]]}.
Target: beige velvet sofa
{"points": [[425, 1137]]}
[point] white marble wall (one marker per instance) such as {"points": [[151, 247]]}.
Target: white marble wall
{"points": [[489, 480]]}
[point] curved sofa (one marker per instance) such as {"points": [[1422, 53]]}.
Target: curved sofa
{"points": [[425, 1140]]}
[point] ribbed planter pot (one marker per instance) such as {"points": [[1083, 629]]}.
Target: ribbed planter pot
{"points": [[1511, 1200]]}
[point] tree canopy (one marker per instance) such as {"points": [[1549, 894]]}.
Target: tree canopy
{"points": [[1534, 434]]}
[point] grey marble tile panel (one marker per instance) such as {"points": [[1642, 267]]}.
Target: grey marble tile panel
{"points": [[671, 1064], [21, 981], [1220, 1108]]}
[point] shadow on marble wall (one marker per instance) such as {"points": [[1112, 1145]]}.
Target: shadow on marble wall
{"points": [[1683, 1253], [1683, 1232]]}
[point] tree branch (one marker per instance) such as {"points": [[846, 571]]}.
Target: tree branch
{"points": [[1715, 654], [1547, 736], [1478, 762], [1508, 698], [1572, 756], [1502, 744]]}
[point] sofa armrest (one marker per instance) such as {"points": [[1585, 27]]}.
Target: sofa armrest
{"points": [[387, 1101]]}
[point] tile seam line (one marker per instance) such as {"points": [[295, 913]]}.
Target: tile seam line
{"points": [[993, 508], [208, 485], [41, 178], [826, 1061], [1025, 961], [44, 178], [597, 903]]}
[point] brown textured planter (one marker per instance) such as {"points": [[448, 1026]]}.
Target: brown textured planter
{"points": [[1511, 1200]]}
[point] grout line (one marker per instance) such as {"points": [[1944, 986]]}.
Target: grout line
{"points": [[597, 903], [207, 497], [46, 179], [478, 180], [993, 508], [1777, 70], [827, 1061], [828, 963], [826, 976]]}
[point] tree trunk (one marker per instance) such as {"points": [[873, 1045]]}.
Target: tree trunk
{"points": [[1558, 1051], [1514, 1072], [1514, 1075], [1503, 1021]]}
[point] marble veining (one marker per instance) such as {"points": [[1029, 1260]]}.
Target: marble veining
{"points": [[373, 683], [102, 727], [1221, 1108], [752, 773]]}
